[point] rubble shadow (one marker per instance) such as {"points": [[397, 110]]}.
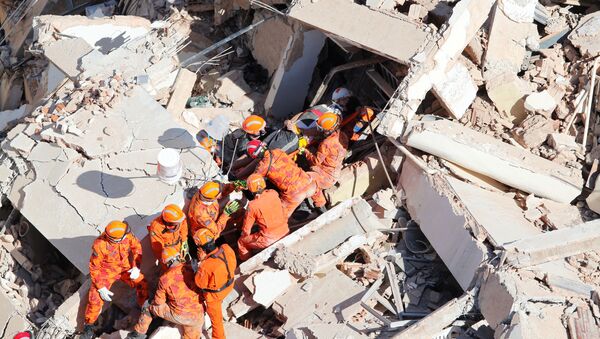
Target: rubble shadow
{"points": [[120, 186], [108, 44], [178, 138]]}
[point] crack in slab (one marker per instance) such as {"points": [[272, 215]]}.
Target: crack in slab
{"points": [[6, 325]]}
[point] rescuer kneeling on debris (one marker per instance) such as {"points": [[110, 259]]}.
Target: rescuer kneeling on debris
{"points": [[204, 210], [215, 275], [293, 183], [116, 254], [169, 229], [177, 299], [326, 164], [254, 127], [266, 211]]}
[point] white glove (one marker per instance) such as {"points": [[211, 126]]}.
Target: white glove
{"points": [[134, 273], [105, 294]]}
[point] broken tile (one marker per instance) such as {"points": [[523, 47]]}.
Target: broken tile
{"points": [[22, 143]]}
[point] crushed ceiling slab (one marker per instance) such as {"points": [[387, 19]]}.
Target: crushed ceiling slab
{"points": [[491, 157], [435, 62], [393, 36], [78, 187]]}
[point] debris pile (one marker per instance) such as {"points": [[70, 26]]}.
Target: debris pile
{"points": [[466, 207]]}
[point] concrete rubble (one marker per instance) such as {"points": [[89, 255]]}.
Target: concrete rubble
{"points": [[467, 208]]}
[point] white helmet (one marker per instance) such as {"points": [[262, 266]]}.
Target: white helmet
{"points": [[340, 93]]}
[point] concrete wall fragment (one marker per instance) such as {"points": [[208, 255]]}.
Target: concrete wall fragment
{"points": [[505, 163]]}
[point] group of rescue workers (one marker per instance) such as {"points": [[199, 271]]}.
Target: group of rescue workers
{"points": [[252, 156]]}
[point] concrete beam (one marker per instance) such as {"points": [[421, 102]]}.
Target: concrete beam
{"points": [[439, 319], [437, 59], [393, 36], [554, 245], [493, 158]]}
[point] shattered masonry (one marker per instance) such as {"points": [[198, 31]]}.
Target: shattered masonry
{"points": [[474, 217]]}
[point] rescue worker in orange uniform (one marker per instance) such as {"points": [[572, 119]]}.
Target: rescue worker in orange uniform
{"points": [[254, 127], [177, 299], [170, 229], [204, 209], [293, 183], [326, 164], [266, 212], [116, 254], [214, 277]]}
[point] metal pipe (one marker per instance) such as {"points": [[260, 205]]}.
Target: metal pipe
{"points": [[222, 42], [335, 70], [588, 110]]}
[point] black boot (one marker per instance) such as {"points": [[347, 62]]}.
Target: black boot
{"points": [[88, 332], [135, 335]]}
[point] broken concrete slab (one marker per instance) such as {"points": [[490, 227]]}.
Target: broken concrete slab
{"points": [[323, 331], [182, 90], [270, 284], [233, 330], [586, 36], [435, 60], [554, 245], [104, 34], [513, 305], [271, 40], [561, 141], [22, 144], [533, 131], [459, 250], [336, 298], [337, 17], [541, 103], [7, 117], [439, 319], [508, 93], [66, 54], [64, 227], [231, 87], [457, 91], [519, 11], [507, 40], [491, 157]]}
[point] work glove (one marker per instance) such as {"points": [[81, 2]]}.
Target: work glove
{"points": [[105, 294], [134, 273], [231, 207], [185, 249], [239, 185]]}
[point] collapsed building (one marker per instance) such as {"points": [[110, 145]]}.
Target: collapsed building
{"points": [[468, 211]]}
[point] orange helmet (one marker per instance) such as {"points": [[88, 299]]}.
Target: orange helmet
{"points": [[210, 190], [172, 214], [116, 230], [328, 121], [169, 255], [253, 124], [203, 236], [256, 183]]}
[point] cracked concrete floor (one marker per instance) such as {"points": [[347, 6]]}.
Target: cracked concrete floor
{"points": [[77, 184]]}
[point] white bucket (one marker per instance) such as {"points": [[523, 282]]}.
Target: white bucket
{"points": [[169, 167]]}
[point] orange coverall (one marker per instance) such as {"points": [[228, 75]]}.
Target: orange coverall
{"points": [[161, 237], [267, 212], [201, 215], [326, 165], [294, 184], [215, 280], [177, 300], [109, 262]]}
